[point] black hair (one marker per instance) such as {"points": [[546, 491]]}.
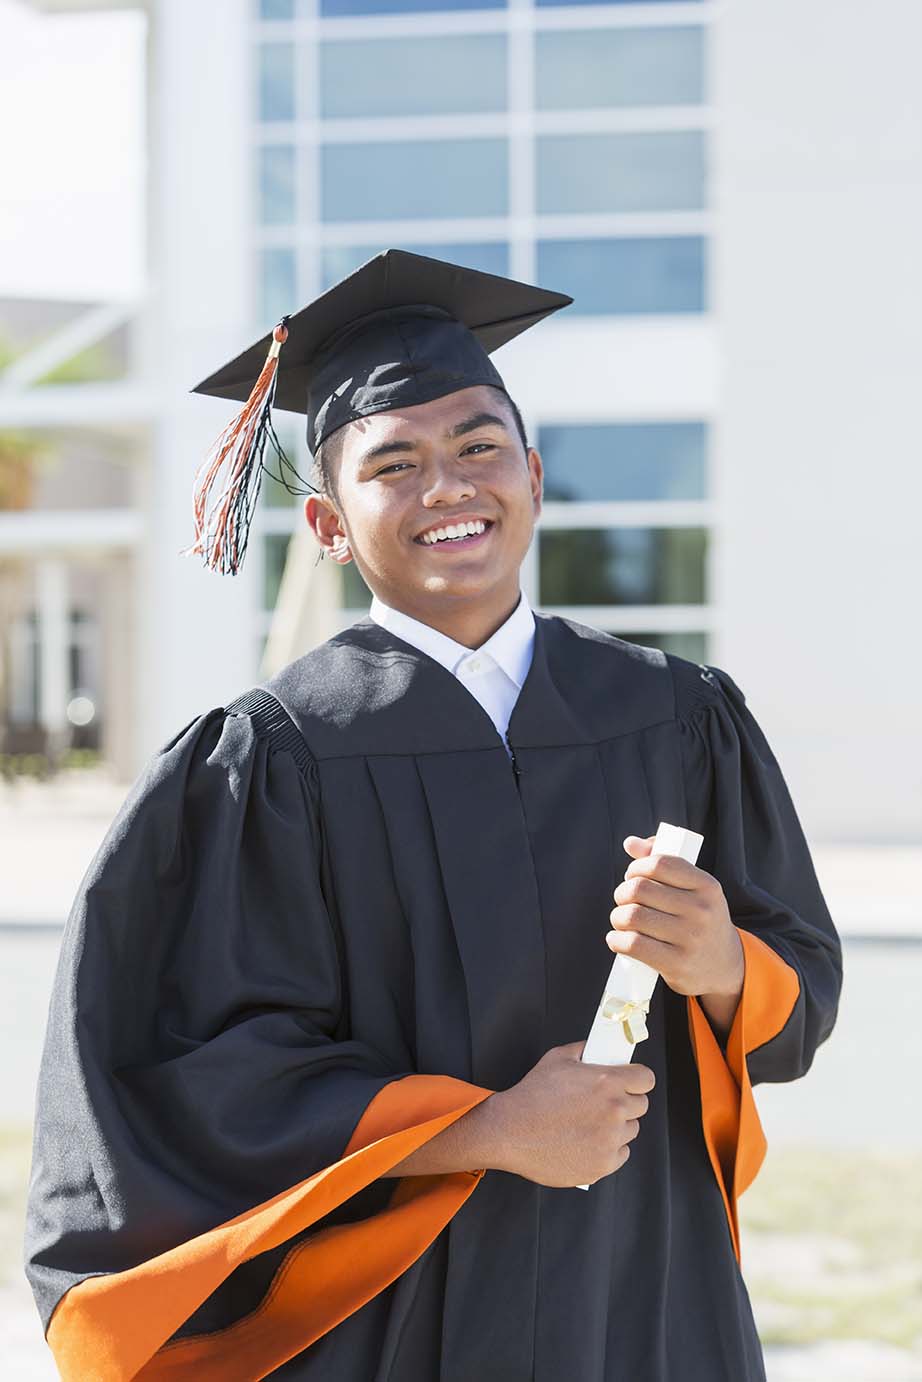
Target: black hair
{"points": [[329, 452]]}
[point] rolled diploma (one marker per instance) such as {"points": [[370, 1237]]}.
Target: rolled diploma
{"points": [[629, 979]]}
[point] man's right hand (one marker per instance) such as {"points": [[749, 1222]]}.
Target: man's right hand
{"points": [[567, 1123]]}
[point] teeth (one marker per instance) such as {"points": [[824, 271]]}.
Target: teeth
{"points": [[454, 530]]}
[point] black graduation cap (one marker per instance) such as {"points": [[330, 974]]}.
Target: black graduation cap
{"points": [[402, 329]]}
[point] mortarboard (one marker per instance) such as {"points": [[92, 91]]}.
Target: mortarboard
{"points": [[402, 329]]}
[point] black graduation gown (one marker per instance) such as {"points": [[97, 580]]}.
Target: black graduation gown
{"points": [[341, 880]]}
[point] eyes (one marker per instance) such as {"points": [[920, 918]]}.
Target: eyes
{"points": [[477, 446]]}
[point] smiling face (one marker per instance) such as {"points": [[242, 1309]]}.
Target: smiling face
{"points": [[436, 504]]}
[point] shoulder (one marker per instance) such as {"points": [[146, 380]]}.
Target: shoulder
{"points": [[701, 686], [271, 722], [586, 643], [661, 685], [229, 734]]}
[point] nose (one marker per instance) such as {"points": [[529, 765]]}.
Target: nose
{"points": [[446, 485]]}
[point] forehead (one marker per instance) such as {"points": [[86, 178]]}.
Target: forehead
{"points": [[422, 421]]}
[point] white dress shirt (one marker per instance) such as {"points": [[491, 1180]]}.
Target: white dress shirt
{"points": [[493, 673]]}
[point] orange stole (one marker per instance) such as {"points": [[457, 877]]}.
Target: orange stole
{"points": [[114, 1327], [732, 1128]]}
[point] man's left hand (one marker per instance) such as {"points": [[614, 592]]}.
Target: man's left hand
{"points": [[674, 917]]}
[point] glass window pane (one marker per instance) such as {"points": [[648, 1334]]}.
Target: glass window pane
{"points": [[590, 462], [490, 257], [278, 283], [662, 171], [586, 68], [606, 2], [626, 276], [355, 593], [272, 493], [622, 566], [276, 9], [693, 646], [413, 76], [418, 178], [333, 7], [277, 184], [275, 550], [276, 81]]}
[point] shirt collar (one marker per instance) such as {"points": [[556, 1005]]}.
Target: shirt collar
{"points": [[510, 646]]}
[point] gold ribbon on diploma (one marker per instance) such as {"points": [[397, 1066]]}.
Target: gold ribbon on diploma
{"points": [[630, 1013]]}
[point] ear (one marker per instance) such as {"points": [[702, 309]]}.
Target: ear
{"points": [[536, 479], [326, 524]]}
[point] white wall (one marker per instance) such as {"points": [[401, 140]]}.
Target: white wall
{"points": [[197, 645], [808, 370], [818, 291]]}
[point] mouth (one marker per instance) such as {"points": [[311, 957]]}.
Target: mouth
{"points": [[456, 536]]}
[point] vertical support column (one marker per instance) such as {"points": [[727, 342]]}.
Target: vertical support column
{"points": [[54, 680], [197, 646], [117, 663]]}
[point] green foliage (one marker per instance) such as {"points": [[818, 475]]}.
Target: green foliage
{"points": [[40, 766], [97, 362], [20, 453]]}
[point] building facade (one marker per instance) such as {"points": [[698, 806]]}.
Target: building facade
{"points": [[725, 413], [566, 146]]}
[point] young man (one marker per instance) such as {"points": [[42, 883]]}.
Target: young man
{"points": [[312, 1102]]}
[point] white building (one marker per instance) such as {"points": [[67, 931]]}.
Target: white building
{"points": [[727, 413]]}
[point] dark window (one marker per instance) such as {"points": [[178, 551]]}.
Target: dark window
{"points": [[693, 646], [276, 81], [622, 566], [591, 462], [334, 7], [584, 69], [489, 257], [427, 178], [628, 276]]}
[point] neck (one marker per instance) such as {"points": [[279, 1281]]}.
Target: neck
{"points": [[468, 624]]}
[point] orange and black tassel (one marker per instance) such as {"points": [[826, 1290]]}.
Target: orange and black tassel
{"points": [[228, 482]]}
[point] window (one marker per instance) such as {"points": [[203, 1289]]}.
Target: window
{"points": [[626, 276], [587, 68], [276, 81], [419, 178], [604, 2], [693, 646], [413, 76], [276, 9], [623, 461], [334, 7], [275, 552], [292, 437], [356, 594], [622, 566], [277, 184], [657, 171], [489, 257], [278, 283]]}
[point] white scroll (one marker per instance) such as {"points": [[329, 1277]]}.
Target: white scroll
{"points": [[620, 1021]]}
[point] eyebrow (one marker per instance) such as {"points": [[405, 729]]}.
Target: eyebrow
{"points": [[470, 424]]}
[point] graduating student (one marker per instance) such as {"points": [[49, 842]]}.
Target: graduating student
{"points": [[311, 1103]]}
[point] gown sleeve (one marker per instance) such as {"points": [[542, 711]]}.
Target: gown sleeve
{"points": [[755, 847], [200, 1104]]}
